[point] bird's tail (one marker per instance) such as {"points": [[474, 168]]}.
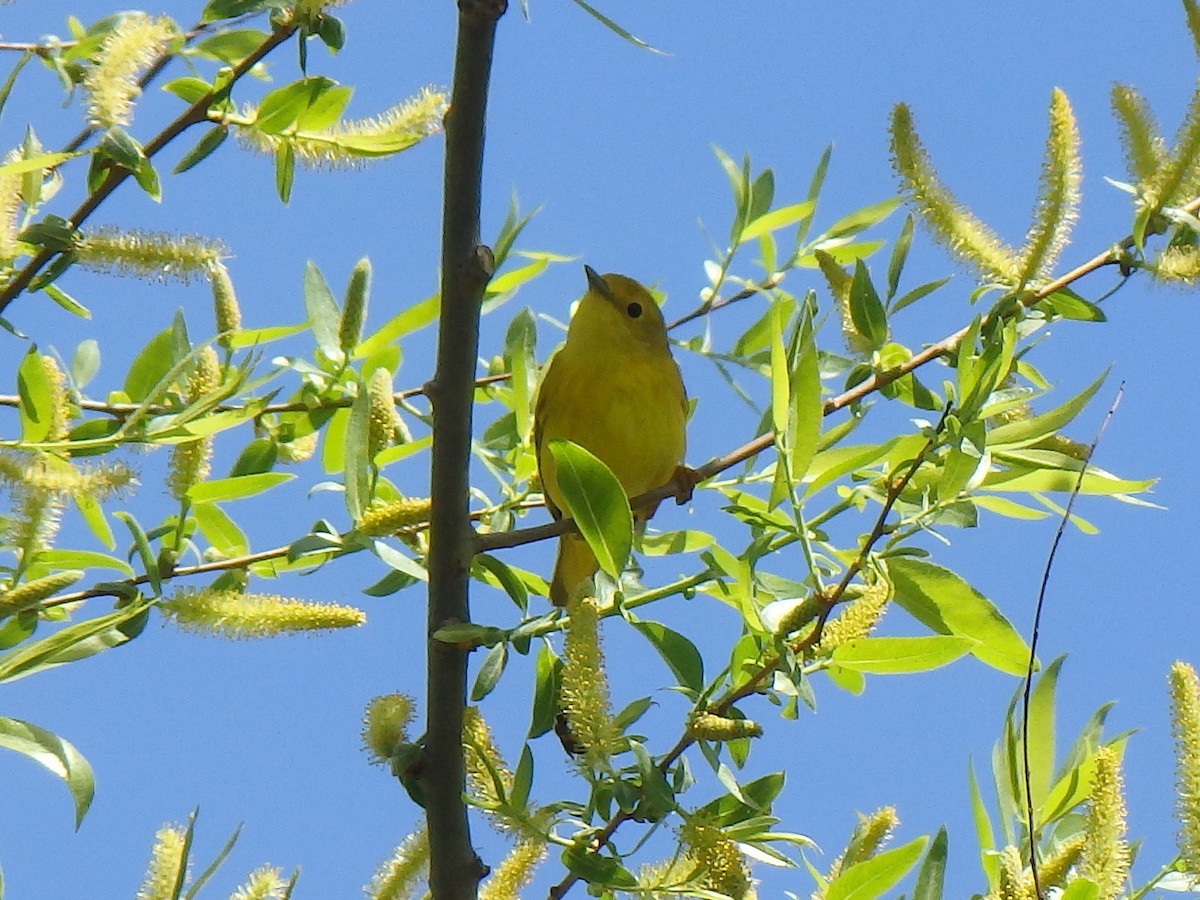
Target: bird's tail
{"points": [[573, 563]]}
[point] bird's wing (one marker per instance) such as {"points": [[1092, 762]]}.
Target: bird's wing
{"points": [[539, 418]]}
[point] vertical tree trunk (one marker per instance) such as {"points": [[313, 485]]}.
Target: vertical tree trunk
{"points": [[455, 870]]}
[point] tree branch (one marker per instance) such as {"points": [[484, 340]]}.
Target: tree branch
{"points": [[455, 870]]}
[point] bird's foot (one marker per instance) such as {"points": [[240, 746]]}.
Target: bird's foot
{"points": [[684, 481]]}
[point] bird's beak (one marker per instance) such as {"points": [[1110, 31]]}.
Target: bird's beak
{"points": [[597, 284]]}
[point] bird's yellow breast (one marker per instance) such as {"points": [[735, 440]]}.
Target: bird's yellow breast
{"points": [[624, 402]]}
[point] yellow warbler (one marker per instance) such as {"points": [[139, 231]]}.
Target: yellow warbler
{"points": [[614, 389]]}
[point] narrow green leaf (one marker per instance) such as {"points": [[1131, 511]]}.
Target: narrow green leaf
{"points": [[1022, 433], [776, 219], [203, 148], [150, 365], [943, 602], [873, 877], [35, 397], [899, 256], [807, 412], [221, 489], [547, 676], [142, 544], [866, 309], [597, 502], [66, 301], [614, 27], [1041, 732], [917, 293], [1070, 305], [85, 363], [489, 672], [984, 834], [75, 642], [862, 219], [57, 755], [756, 796], [82, 559], [679, 653], [932, 875], [323, 313], [219, 530], [901, 655], [506, 579], [285, 171], [211, 869], [405, 322], [357, 470], [1082, 889]]}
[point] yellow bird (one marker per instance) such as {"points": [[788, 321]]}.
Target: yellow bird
{"points": [[615, 390]]}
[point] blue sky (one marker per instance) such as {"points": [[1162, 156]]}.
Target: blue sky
{"points": [[615, 145]]}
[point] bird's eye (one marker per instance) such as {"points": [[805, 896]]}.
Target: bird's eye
{"points": [[634, 310]]}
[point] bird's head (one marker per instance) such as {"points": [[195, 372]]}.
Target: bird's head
{"points": [[618, 309]]}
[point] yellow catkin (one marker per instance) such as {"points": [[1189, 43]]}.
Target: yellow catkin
{"points": [[385, 725], [33, 521], [234, 615], [870, 834], [514, 872], [840, 284], [166, 861], [396, 515], [155, 256], [1013, 882], [354, 307], [62, 410], [384, 421], [111, 81], [489, 779], [584, 693], [858, 619], [723, 868], [190, 461], [1053, 870], [403, 871], [264, 883], [1185, 724], [707, 727], [10, 208], [298, 450], [1105, 858], [1177, 266], [226, 312], [31, 593]]}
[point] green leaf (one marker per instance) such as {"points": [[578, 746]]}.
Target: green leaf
{"points": [[218, 490], [932, 875], [75, 642], [669, 542], [142, 544], [756, 796], [1040, 736], [489, 672], [1081, 889], [943, 602], [232, 9], [1063, 480], [899, 255], [406, 321], [357, 464], [901, 655], [85, 363], [323, 314], [57, 755], [775, 219], [284, 107], [547, 676], [679, 653], [35, 397], [593, 868], [66, 301], [151, 364], [873, 877], [208, 143], [984, 834], [231, 46], [285, 170], [917, 293], [1070, 305], [219, 530], [597, 502], [862, 219], [82, 559], [1022, 433], [866, 309], [254, 337], [189, 88], [506, 579], [614, 27], [807, 411]]}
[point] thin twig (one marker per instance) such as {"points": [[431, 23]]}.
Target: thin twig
{"points": [[1033, 641]]}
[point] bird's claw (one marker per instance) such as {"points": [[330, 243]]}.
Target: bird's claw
{"points": [[684, 481]]}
